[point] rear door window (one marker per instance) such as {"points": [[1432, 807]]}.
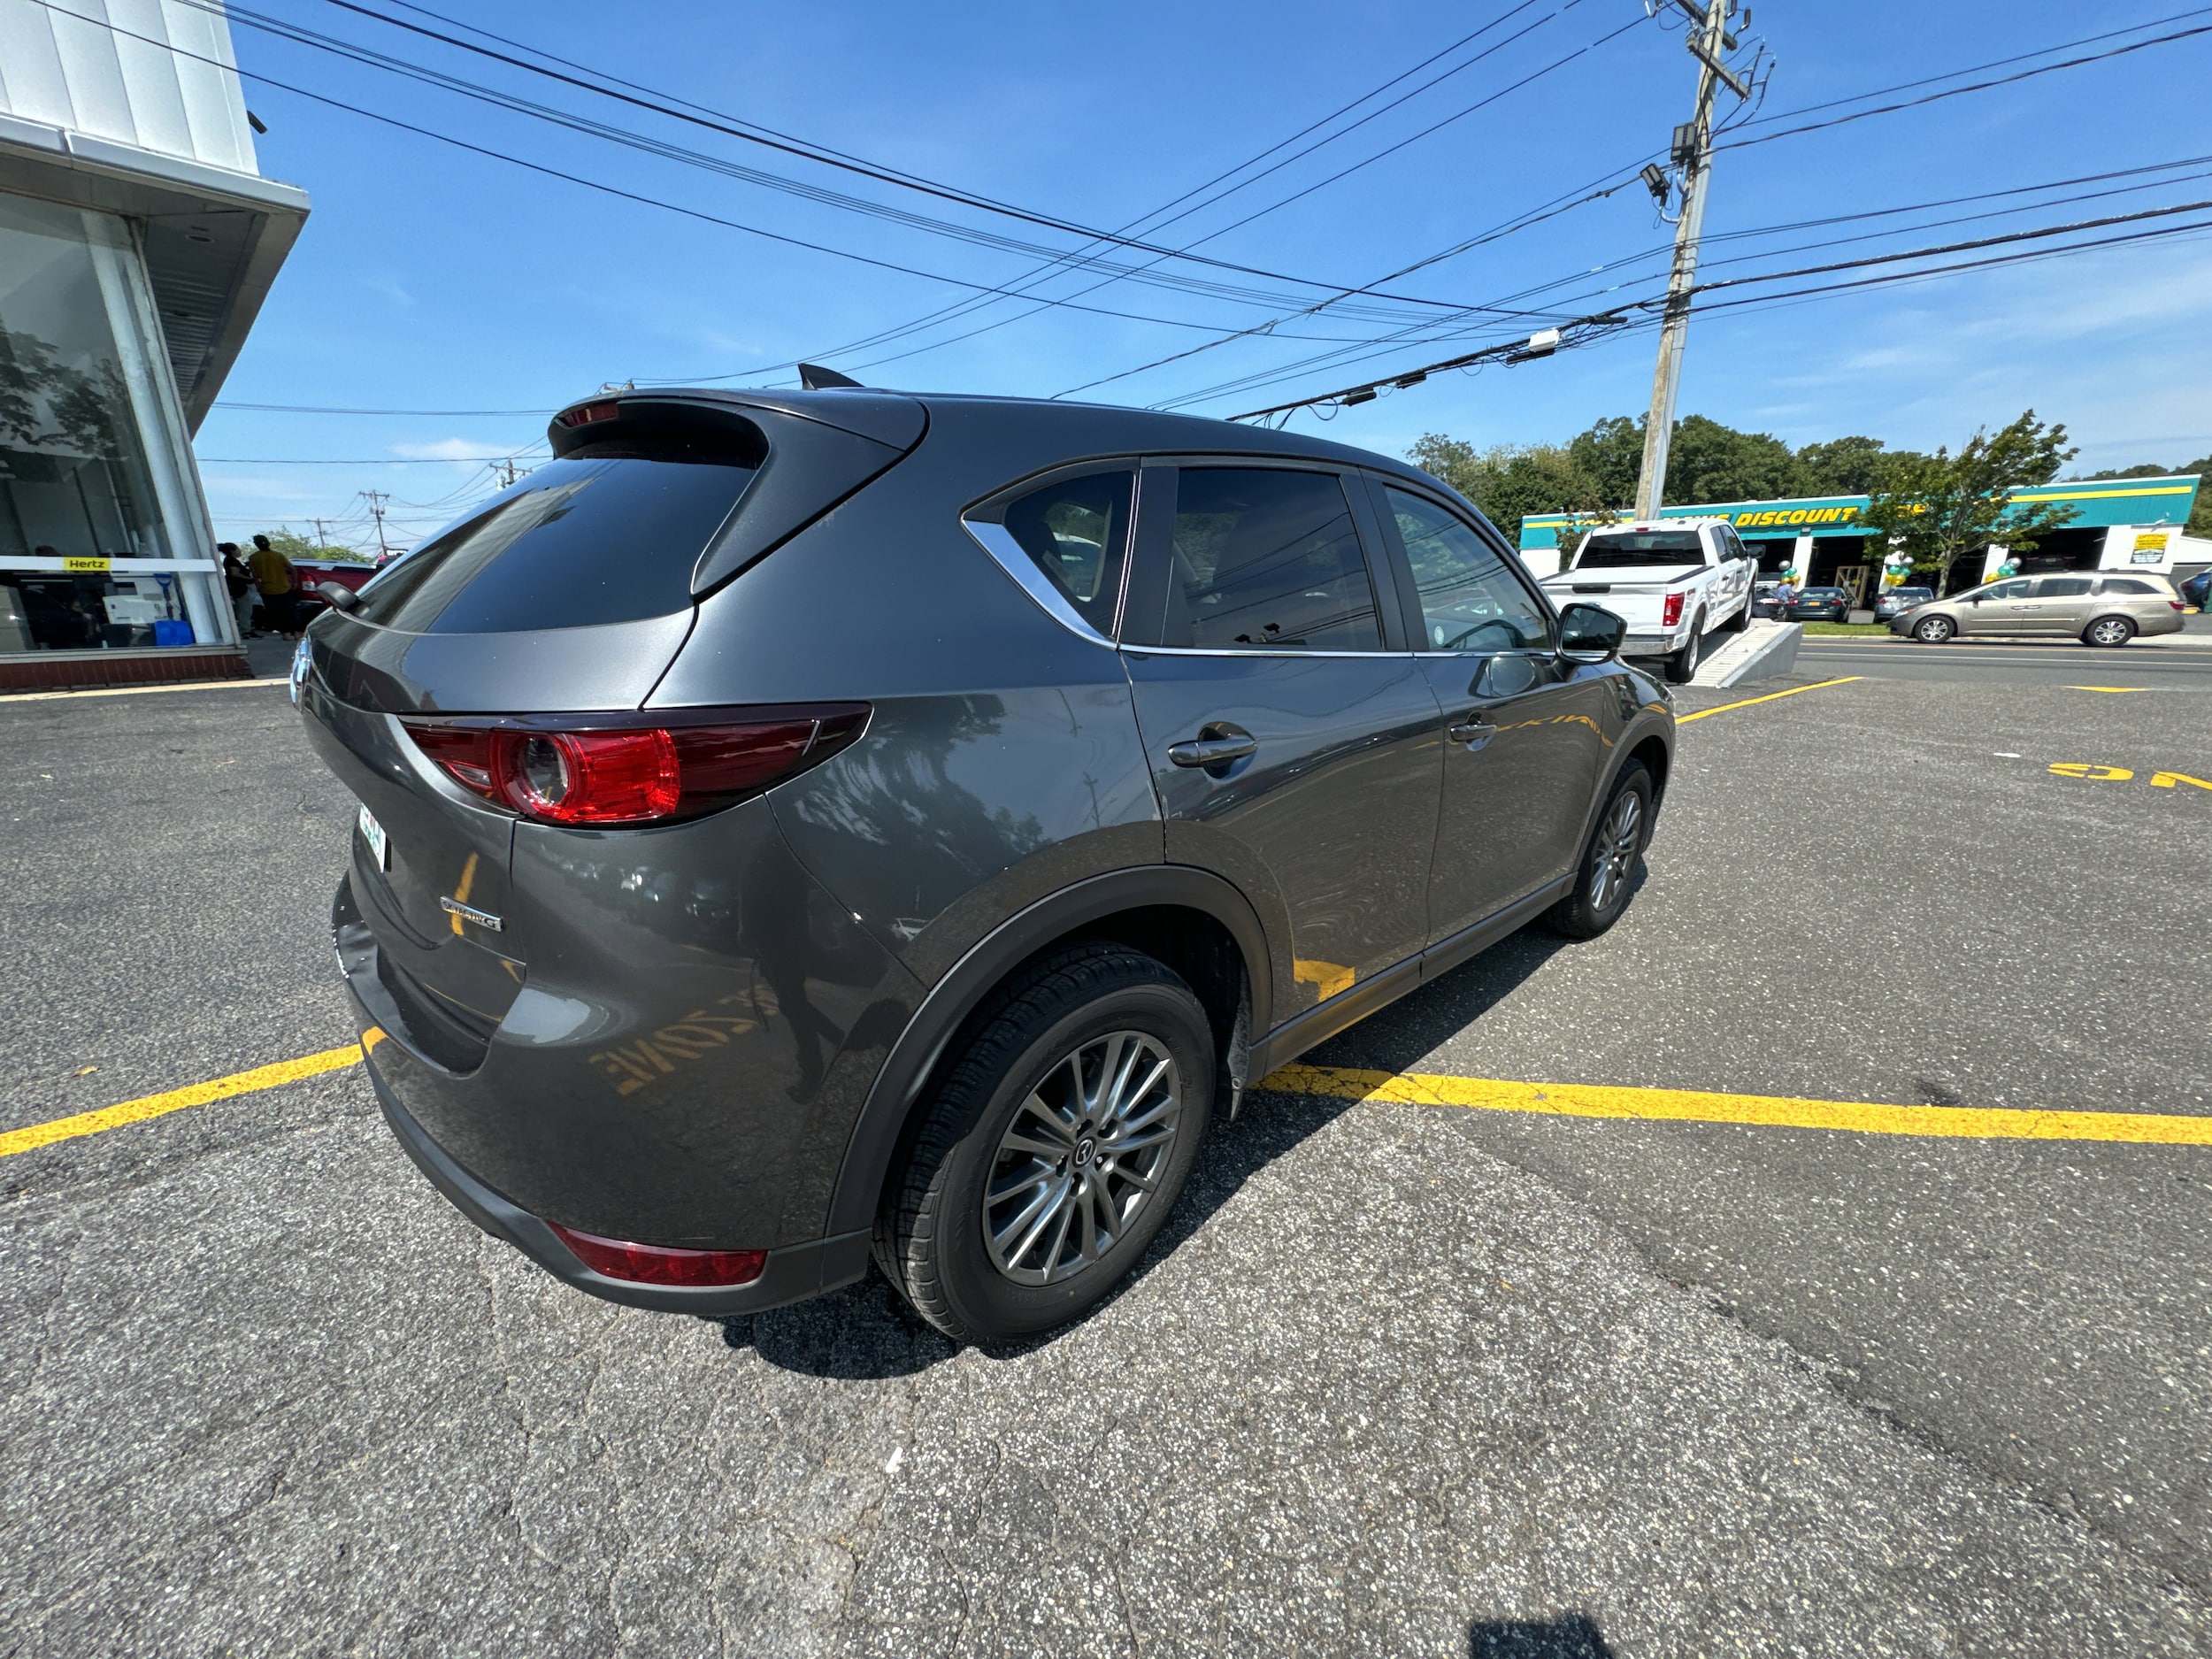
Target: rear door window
{"points": [[2062, 587], [1075, 531], [1267, 559], [590, 538]]}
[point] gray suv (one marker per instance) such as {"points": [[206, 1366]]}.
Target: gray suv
{"points": [[801, 827]]}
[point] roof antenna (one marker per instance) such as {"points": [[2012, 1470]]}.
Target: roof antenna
{"points": [[815, 378]]}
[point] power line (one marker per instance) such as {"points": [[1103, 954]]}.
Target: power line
{"points": [[1611, 325], [1606, 185], [1323, 183], [370, 57], [608, 189], [969, 306], [1978, 86]]}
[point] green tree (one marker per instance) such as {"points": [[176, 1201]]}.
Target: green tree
{"points": [[1706, 461], [1848, 466], [1940, 507], [1510, 482], [298, 547], [1610, 454]]}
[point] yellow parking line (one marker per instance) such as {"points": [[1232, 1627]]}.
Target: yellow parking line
{"points": [[135, 691], [132, 1111], [1673, 1105], [1847, 679]]}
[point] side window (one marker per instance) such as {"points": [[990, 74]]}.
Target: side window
{"points": [[1730, 547], [1077, 533], [1267, 559], [1470, 601], [2062, 588], [2008, 590], [2123, 585]]}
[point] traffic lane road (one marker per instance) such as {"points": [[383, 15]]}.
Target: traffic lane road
{"points": [[169, 860], [2168, 660], [1378, 1392], [1856, 894]]}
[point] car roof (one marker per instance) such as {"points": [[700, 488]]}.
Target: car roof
{"points": [[1084, 428]]}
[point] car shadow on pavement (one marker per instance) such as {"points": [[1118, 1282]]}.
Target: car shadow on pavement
{"points": [[865, 1331], [1571, 1636]]}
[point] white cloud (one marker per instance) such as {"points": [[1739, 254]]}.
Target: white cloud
{"points": [[454, 450]]}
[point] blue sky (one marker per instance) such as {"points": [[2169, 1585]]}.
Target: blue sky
{"points": [[430, 278]]}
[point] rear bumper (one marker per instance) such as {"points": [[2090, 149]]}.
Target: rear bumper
{"points": [[791, 1274]]}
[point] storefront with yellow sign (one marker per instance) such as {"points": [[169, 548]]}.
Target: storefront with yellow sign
{"points": [[2113, 524]]}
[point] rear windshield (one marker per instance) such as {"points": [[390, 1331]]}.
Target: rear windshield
{"points": [[1642, 547], [590, 538]]}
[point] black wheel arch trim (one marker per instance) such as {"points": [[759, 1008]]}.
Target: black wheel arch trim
{"points": [[884, 1116]]}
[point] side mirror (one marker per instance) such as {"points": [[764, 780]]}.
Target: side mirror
{"points": [[1590, 634], [338, 596]]}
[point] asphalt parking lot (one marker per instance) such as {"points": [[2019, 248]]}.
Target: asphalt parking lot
{"points": [[1400, 1378]]}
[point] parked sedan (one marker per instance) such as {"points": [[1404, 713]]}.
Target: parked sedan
{"points": [[1821, 604], [2097, 610], [1894, 601], [741, 890]]}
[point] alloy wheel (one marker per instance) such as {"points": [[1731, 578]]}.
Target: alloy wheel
{"points": [[2109, 631], [1618, 841], [1082, 1158]]}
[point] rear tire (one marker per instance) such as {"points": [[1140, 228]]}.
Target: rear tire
{"points": [[2109, 631], [1014, 1138], [1682, 664], [1934, 630], [1609, 859]]}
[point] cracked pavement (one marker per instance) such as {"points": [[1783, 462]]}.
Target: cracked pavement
{"points": [[1397, 1379]]}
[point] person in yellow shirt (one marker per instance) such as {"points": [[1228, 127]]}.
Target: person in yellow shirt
{"points": [[279, 582]]}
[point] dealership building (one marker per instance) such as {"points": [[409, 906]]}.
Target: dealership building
{"points": [[137, 243], [2117, 524]]}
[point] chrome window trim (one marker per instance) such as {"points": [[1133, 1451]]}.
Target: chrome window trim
{"points": [[1007, 553], [1199, 651]]}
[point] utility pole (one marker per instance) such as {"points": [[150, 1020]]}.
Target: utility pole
{"points": [[322, 532], [506, 472], [1693, 158], [376, 499]]}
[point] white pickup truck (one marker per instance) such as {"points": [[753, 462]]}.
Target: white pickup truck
{"points": [[1673, 581]]}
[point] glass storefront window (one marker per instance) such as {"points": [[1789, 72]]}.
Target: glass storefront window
{"points": [[102, 538]]}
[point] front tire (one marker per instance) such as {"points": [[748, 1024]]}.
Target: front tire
{"points": [[1682, 664], [1934, 630], [1049, 1155], [2109, 631], [1609, 858]]}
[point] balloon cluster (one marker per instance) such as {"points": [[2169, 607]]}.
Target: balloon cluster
{"points": [[1896, 568]]}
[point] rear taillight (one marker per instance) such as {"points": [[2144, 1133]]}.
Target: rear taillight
{"points": [[2176, 604], [660, 1264], [623, 769], [1669, 611]]}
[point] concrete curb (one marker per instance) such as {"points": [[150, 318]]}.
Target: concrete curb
{"points": [[1760, 652]]}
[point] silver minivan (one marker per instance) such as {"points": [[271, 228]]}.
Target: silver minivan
{"points": [[2093, 607]]}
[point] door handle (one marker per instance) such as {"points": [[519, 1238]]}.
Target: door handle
{"points": [[1212, 751], [1473, 732]]}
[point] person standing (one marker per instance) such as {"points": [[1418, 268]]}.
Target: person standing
{"points": [[279, 588], [240, 580]]}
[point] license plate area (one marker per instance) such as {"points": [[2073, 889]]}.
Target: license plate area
{"points": [[380, 843]]}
